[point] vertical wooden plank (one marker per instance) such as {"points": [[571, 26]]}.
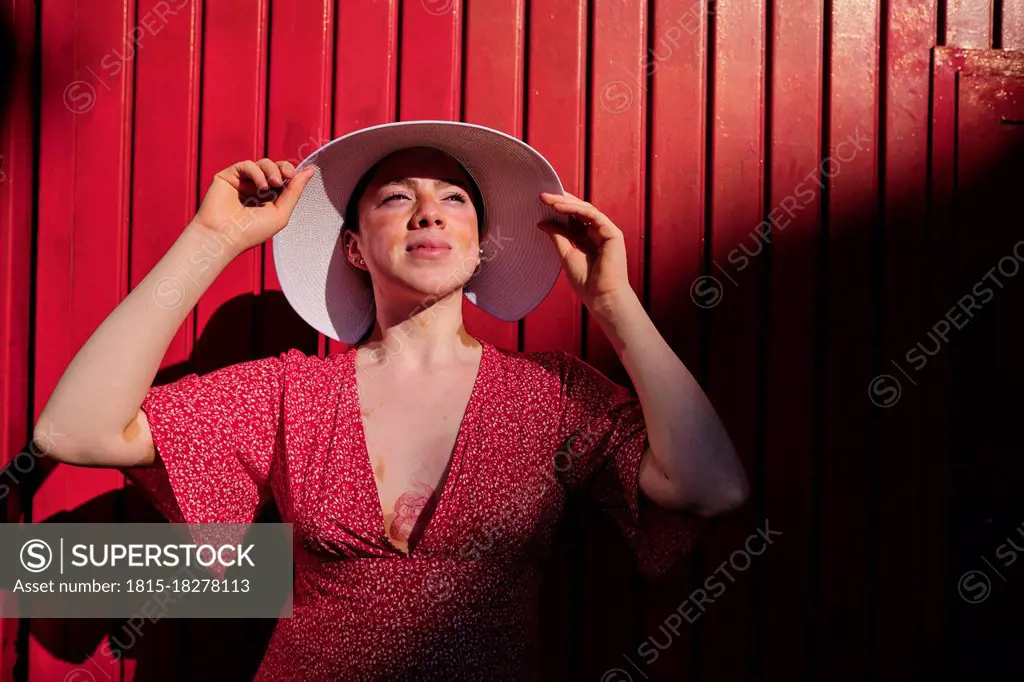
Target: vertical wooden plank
{"points": [[940, 275], [164, 193], [301, 78], [17, 195], [367, 73], [1013, 25], [948, 208], [82, 269], [430, 88], [163, 201], [675, 256], [984, 342], [616, 173], [232, 128], [736, 183], [784, 636], [57, 131], [911, 455], [82, 216], [493, 96], [556, 126], [366, 77], [945, 63], [969, 23], [617, 160], [848, 463], [17, 131]]}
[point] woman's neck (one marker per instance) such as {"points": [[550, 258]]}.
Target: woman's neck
{"points": [[422, 336]]}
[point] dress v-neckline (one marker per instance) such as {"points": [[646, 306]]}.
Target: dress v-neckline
{"points": [[451, 468]]}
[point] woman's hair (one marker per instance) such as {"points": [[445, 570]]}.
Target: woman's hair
{"points": [[352, 210]]}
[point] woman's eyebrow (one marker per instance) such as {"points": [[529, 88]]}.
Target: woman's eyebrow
{"points": [[411, 184]]}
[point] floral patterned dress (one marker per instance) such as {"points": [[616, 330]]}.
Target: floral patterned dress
{"points": [[540, 428]]}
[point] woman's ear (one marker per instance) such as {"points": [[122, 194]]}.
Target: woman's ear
{"points": [[351, 246]]}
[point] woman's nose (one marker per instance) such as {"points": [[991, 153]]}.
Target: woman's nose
{"points": [[431, 219], [429, 215]]}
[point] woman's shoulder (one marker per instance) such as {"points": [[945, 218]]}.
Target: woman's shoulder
{"points": [[300, 357], [561, 370], [533, 364], [295, 364]]}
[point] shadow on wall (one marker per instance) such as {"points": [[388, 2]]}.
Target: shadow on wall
{"points": [[986, 468], [9, 61]]}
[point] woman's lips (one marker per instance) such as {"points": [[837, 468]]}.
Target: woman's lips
{"points": [[429, 251]]}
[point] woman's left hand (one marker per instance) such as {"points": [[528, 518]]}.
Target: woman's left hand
{"points": [[593, 251]]}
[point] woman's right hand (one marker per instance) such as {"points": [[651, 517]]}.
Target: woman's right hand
{"points": [[251, 201]]}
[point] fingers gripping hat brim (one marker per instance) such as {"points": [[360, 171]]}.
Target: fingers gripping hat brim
{"points": [[520, 264]]}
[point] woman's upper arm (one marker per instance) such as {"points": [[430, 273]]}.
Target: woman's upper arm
{"points": [[133, 447], [235, 407]]}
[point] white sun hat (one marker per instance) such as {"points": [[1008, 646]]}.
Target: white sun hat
{"points": [[519, 264]]}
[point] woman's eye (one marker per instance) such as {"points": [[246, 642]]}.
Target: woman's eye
{"points": [[461, 198]]}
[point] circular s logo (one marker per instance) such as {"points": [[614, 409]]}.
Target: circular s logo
{"points": [[79, 97], [616, 97], [36, 556], [974, 587], [884, 390], [706, 291]]}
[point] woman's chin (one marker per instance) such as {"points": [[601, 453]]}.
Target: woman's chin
{"points": [[430, 289], [435, 276]]}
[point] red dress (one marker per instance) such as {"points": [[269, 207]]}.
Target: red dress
{"points": [[464, 603]]}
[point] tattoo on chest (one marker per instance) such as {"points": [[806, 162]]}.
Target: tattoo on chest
{"points": [[409, 506]]}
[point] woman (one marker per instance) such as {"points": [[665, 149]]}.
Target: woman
{"points": [[425, 470]]}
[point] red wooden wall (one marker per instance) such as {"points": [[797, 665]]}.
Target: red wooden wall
{"points": [[690, 123]]}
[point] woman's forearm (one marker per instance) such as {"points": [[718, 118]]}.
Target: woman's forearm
{"points": [[101, 390]]}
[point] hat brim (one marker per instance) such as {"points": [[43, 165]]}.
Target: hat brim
{"points": [[520, 264]]}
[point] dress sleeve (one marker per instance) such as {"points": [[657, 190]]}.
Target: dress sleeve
{"points": [[603, 436], [216, 436]]}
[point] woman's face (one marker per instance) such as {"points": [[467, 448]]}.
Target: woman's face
{"points": [[417, 195]]}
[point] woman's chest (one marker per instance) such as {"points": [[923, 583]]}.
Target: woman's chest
{"points": [[409, 478], [412, 432], [410, 446]]}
